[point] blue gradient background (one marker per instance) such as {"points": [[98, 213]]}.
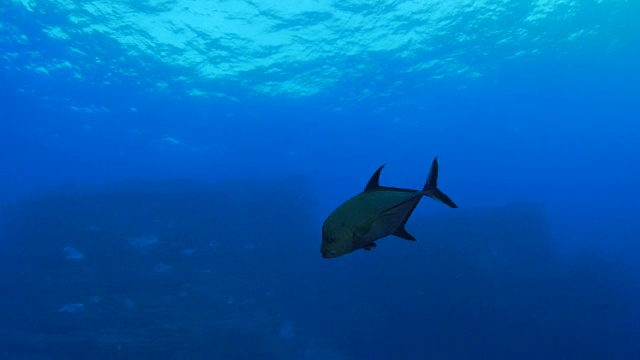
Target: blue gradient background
{"points": [[523, 102]]}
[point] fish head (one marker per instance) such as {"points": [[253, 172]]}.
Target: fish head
{"points": [[336, 241]]}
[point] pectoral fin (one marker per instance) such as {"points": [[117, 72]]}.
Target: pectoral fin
{"points": [[368, 247], [365, 227], [403, 234]]}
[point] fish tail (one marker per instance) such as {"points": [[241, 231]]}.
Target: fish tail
{"points": [[431, 187]]}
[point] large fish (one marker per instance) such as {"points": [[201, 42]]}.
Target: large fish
{"points": [[377, 212]]}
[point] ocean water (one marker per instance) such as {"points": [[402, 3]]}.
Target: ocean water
{"points": [[166, 167]]}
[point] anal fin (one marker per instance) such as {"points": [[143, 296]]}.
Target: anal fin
{"points": [[403, 234]]}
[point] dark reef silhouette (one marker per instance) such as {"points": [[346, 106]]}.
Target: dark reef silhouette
{"points": [[181, 269]]}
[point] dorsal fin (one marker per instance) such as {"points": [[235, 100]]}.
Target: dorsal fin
{"points": [[374, 181]]}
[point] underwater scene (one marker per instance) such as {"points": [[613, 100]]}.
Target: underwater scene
{"points": [[319, 179]]}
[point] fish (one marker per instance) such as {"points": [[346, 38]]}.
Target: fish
{"points": [[375, 213]]}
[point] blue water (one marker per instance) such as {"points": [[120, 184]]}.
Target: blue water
{"points": [[166, 166]]}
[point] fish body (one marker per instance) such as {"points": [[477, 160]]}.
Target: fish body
{"points": [[377, 212]]}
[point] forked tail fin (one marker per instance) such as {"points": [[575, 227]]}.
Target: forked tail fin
{"points": [[431, 187]]}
